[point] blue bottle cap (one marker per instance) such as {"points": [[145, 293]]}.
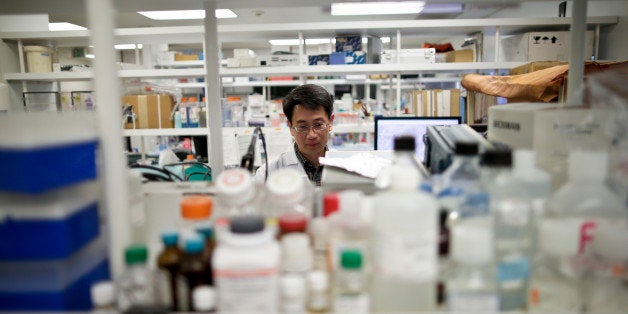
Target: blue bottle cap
{"points": [[169, 238], [194, 244]]}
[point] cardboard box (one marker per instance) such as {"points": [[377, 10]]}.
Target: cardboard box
{"points": [[149, 111], [437, 103], [348, 43], [337, 58], [542, 46], [355, 57], [184, 57], [318, 60], [534, 66], [465, 55], [422, 55]]}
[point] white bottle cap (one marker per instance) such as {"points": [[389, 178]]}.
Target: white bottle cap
{"points": [[318, 280], [286, 186], [292, 286], [103, 294], [204, 298], [472, 242], [588, 165], [235, 186], [296, 252]]}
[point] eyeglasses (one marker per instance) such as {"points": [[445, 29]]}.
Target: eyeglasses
{"points": [[317, 127]]}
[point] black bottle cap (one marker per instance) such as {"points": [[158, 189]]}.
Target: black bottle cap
{"points": [[466, 148], [404, 143], [497, 158], [247, 224]]}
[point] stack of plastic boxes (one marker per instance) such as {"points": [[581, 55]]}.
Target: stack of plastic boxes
{"points": [[51, 246]]}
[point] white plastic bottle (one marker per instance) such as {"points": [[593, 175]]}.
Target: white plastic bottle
{"points": [[246, 268], [350, 295], [204, 299], [567, 234], [513, 229], [236, 192], [318, 292], [296, 254], [293, 294], [405, 228], [286, 193], [471, 287]]}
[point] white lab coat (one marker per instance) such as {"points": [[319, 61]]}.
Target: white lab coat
{"points": [[287, 159]]}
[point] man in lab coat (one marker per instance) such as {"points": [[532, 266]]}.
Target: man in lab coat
{"points": [[309, 110]]}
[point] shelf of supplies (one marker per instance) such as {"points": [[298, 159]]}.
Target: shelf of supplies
{"points": [[182, 64], [317, 70], [165, 132]]}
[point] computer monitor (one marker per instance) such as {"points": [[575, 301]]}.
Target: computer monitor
{"points": [[387, 128]]}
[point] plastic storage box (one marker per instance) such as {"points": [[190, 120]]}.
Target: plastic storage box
{"points": [[54, 285], [52, 225], [41, 151]]}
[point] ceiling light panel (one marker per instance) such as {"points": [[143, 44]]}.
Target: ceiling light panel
{"points": [[377, 8], [64, 26], [186, 14]]}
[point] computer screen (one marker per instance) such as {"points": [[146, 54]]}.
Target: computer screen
{"points": [[387, 128]]}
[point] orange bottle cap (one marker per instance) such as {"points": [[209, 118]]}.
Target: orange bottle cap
{"points": [[192, 99], [204, 98], [196, 207], [189, 157], [184, 99], [233, 98]]}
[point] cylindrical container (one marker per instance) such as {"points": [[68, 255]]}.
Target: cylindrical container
{"points": [[38, 58], [246, 268], [195, 213]]}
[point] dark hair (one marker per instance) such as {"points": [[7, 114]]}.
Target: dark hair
{"points": [[309, 96]]}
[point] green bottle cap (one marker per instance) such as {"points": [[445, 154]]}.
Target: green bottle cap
{"points": [[351, 259], [135, 254]]}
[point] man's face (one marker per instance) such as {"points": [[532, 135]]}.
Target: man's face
{"points": [[311, 142]]}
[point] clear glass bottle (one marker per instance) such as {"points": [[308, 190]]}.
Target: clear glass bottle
{"points": [[139, 288], [513, 229], [350, 295], [405, 226]]}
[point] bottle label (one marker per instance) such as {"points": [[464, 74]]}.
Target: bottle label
{"points": [[566, 236], [406, 257], [254, 291], [512, 273], [352, 303], [472, 301]]}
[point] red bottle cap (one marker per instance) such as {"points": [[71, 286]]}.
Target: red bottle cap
{"points": [[331, 204], [292, 222]]}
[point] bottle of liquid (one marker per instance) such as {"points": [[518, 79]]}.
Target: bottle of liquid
{"points": [[193, 113], [318, 292], [513, 229], [169, 260], [207, 232], [138, 287], [405, 226], [350, 294], [296, 254], [194, 271], [293, 294], [183, 111], [103, 295], [471, 287], [177, 120], [577, 211], [247, 254], [204, 299]]}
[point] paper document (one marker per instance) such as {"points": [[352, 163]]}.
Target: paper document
{"points": [[364, 164]]}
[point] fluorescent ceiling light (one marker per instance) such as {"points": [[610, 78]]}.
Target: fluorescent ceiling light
{"points": [[128, 46], [64, 26], [379, 8], [89, 55], [385, 40], [296, 42], [186, 14], [442, 8]]}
